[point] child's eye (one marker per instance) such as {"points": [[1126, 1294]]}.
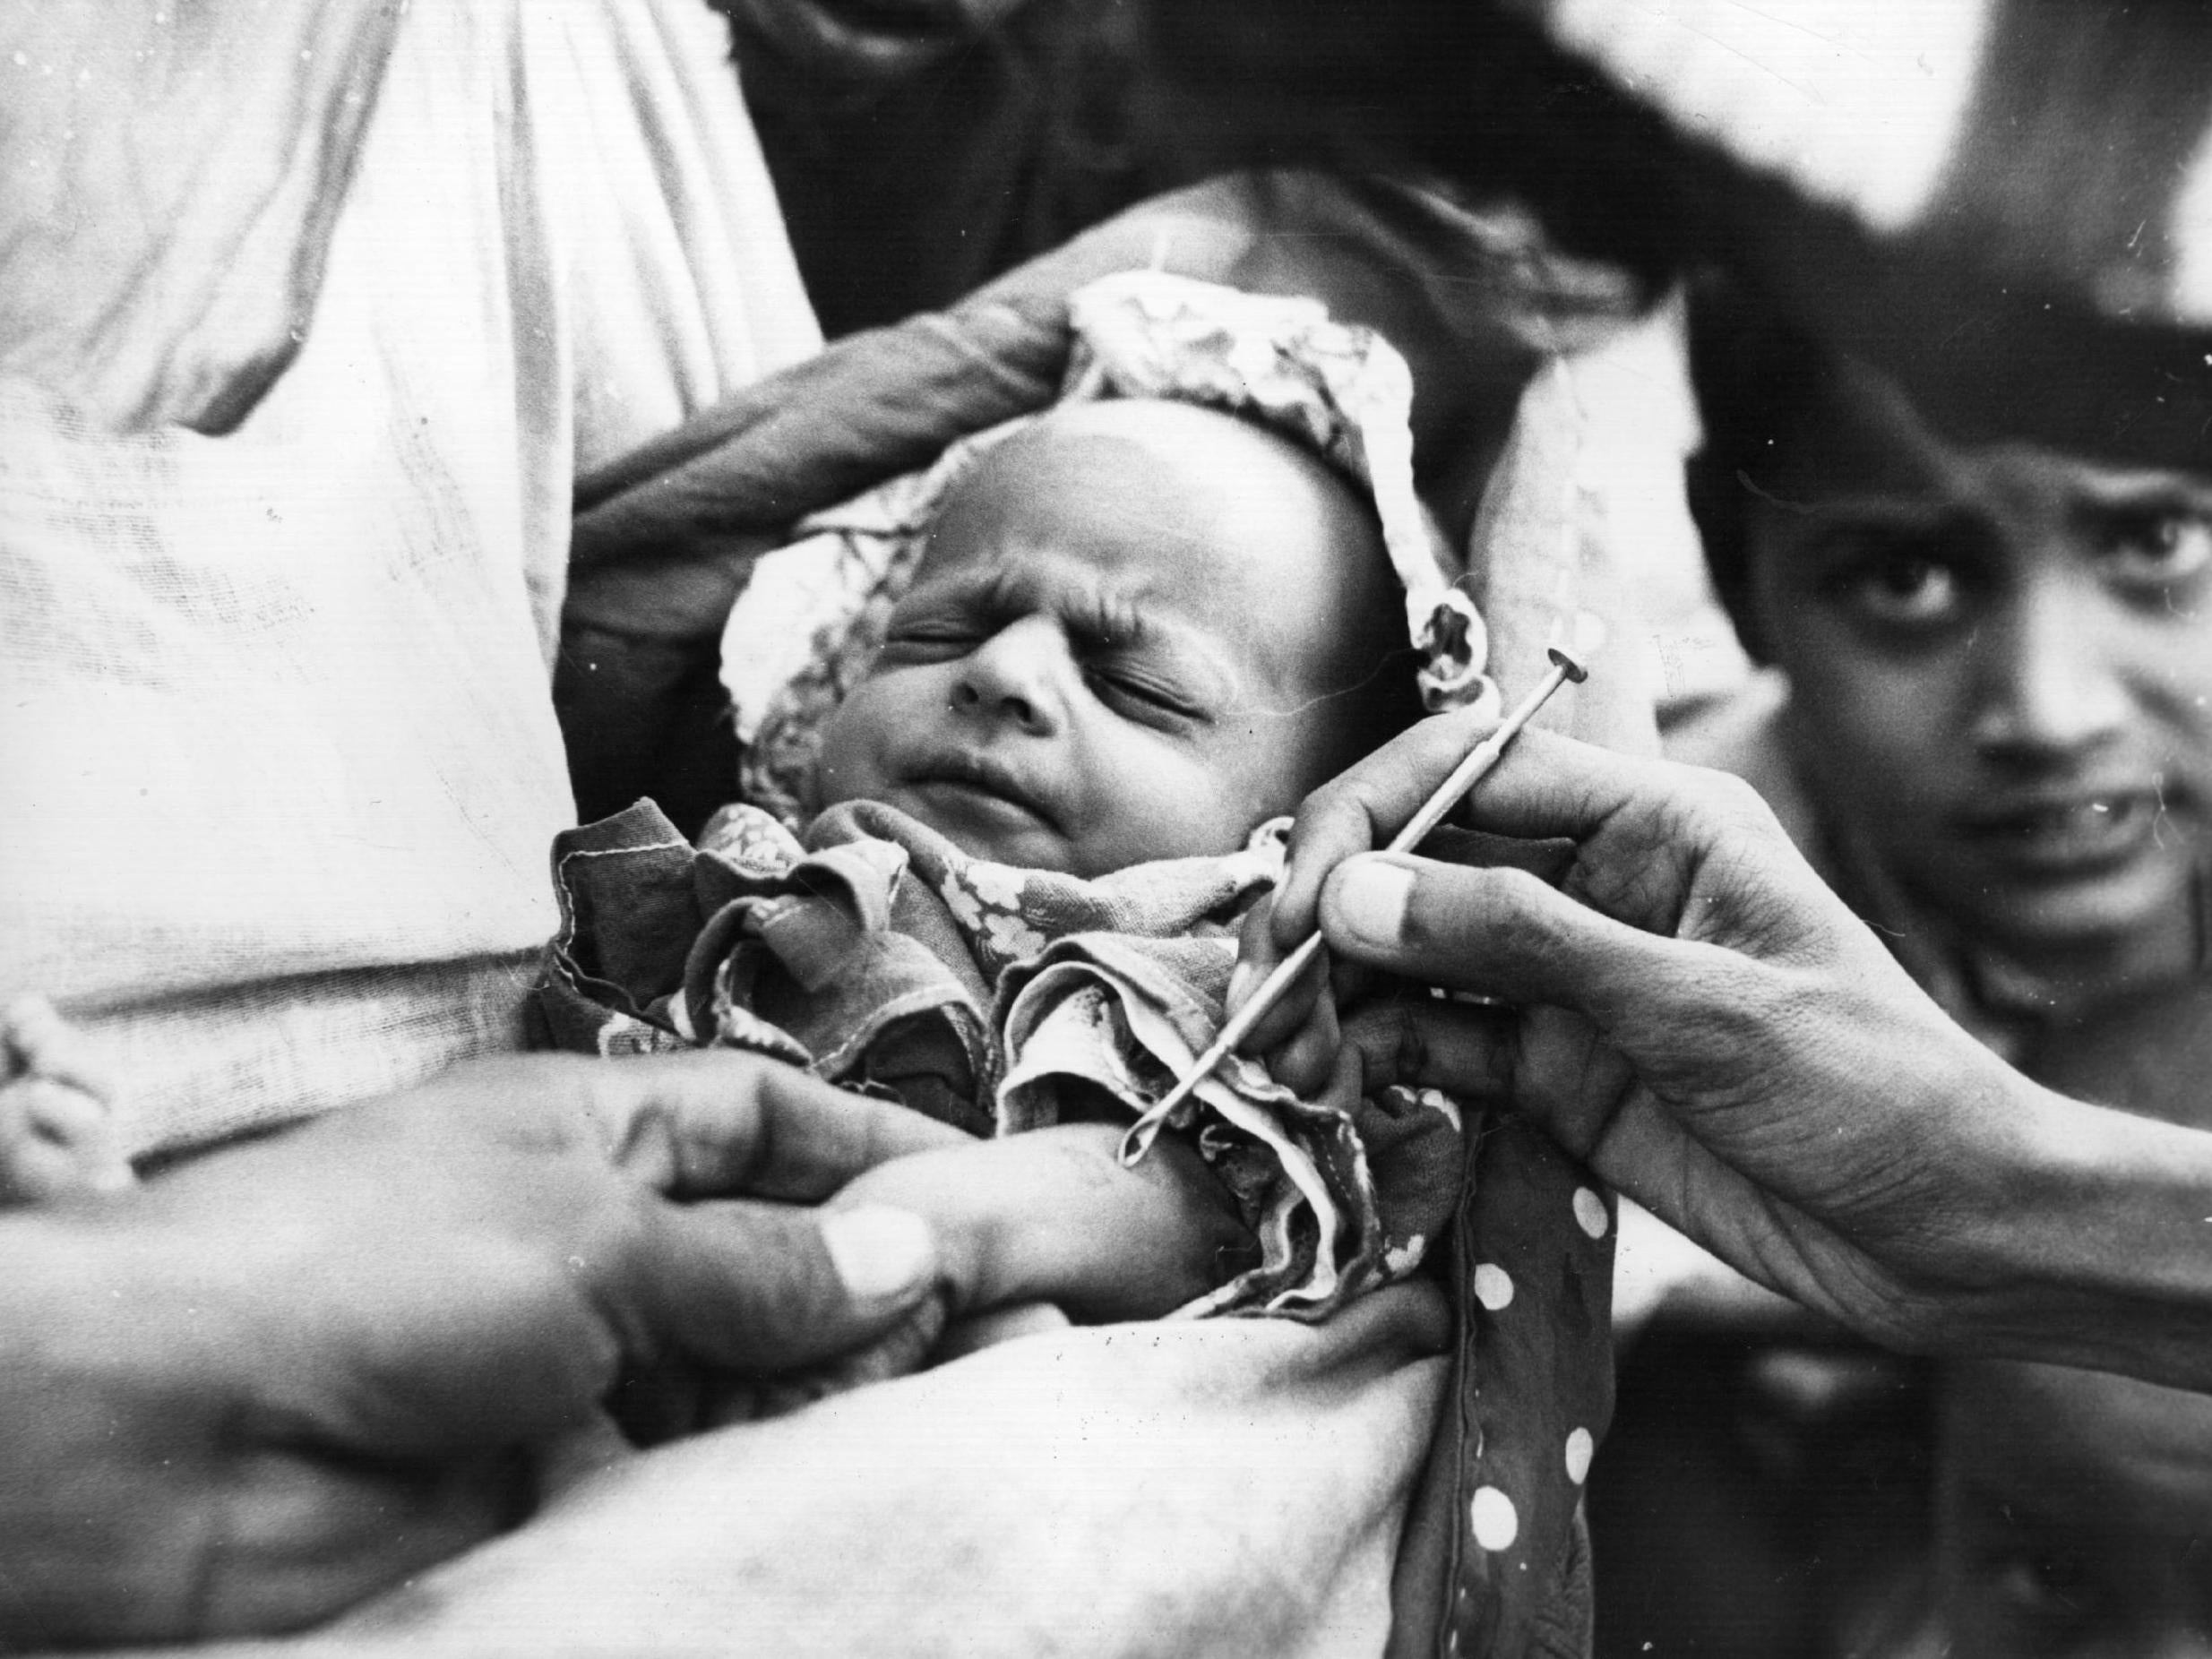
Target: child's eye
{"points": [[1902, 587], [2157, 547]]}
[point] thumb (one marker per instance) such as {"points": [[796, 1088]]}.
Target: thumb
{"points": [[765, 1287], [1497, 932]]}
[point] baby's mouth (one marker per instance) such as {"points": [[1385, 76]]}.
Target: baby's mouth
{"points": [[974, 778]]}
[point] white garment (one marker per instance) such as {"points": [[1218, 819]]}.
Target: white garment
{"points": [[281, 761], [1230, 1488]]}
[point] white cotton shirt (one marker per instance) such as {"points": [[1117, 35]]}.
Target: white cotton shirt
{"points": [[277, 761]]}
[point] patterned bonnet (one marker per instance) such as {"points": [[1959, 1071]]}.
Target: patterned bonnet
{"points": [[811, 619]]}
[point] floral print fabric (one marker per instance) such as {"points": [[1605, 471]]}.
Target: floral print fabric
{"points": [[878, 955]]}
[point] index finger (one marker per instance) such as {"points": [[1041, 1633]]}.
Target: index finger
{"points": [[719, 1124], [1545, 784]]}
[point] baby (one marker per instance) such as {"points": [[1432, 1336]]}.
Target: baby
{"points": [[1129, 632], [1141, 630], [1113, 641], [1024, 759], [1138, 630]]}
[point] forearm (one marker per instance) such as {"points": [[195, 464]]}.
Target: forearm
{"points": [[1894, 1174], [99, 1522], [2090, 1245], [157, 1480]]}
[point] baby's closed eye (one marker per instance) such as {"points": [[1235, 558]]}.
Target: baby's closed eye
{"points": [[928, 641], [1140, 692]]}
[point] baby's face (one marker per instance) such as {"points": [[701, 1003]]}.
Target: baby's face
{"points": [[1139, 630], [2074, 1515]]}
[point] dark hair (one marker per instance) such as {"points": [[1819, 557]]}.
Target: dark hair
{"points": [[1755, 377], [1468, 90]]}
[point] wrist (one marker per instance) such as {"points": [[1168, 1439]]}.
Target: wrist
{"points": [[85, 1470], [96, 1306], [2083, 1237], [54, 1323]]}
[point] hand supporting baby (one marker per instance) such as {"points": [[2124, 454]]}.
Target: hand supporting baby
{"points": [[1034, 1230], [1050, 1215]]}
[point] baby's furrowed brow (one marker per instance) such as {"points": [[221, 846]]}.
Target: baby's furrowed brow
{"points": [[1109, 620], [1093, 614]]}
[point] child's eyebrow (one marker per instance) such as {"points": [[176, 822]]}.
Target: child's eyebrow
{"points": [[1898, 510], [2147, 492], [1838, 527]]}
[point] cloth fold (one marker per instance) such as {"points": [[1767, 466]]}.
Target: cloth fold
{"points": [[1224, 1487], [878, 955], [881, 956], [164, 268], [281, 766]]}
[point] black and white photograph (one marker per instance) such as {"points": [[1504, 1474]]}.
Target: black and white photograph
{"points": [[1105, 828]]}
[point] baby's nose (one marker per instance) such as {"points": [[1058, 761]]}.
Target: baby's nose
{"points": [[1015, 675]]}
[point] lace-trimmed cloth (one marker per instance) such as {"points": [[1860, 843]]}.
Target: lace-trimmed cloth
{"points": [[1000, 999], [879, 956]]}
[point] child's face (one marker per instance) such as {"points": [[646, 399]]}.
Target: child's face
{"points": [[1128, 639], [2073, 1516], [2001, 660]]}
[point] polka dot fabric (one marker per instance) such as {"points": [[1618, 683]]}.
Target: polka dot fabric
{"points": [[1495, 1561]]}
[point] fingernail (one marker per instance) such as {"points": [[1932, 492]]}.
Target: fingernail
{"points": [[881, 1255], [1242, 977], [1369, 896]]}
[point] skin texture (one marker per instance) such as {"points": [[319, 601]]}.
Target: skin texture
{"points": [[246, 1395], [2073, 1516], [2001, 668], [1106, 1243], [1700, 1017], [1140, 629]]}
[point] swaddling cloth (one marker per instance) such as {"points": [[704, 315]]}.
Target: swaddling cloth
{"points": [[879, 956]]}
